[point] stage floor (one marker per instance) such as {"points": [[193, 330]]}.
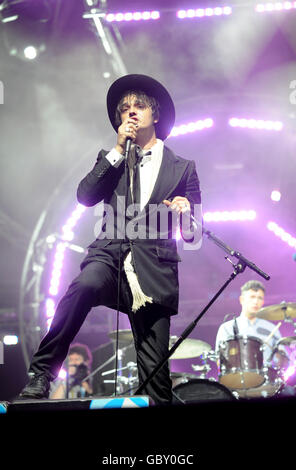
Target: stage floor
{"points": [[242, 432]]}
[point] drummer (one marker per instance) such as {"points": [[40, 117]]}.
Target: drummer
{"points": [[247, 324]]}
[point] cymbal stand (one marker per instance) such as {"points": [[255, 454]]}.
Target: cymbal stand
{"points": [[104, 364], [123, 380], [237, 269], [288, 319]]}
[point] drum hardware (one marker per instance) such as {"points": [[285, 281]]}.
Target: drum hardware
{"points": [[202, 369], [181, 378], [189, 348], [124, 336], [132, 366], [210, 355], [238, 268], [273, 374], [241, 362], [271, 386], [287, 341], [121, 379], [205, 368], [101, 366]]}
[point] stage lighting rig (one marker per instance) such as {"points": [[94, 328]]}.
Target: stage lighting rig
{"points": [[25, 26]]}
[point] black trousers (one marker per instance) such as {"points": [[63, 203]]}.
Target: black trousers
{"points": [[97, 284]]}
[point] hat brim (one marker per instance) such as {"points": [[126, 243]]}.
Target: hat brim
{"points": [[151, 87]]}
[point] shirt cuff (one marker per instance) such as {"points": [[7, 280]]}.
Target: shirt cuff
{"points": [[114, 158]]}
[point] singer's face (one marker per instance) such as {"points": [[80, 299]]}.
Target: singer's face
{"points": [[251, 301], [138, 110], [74, 360]]}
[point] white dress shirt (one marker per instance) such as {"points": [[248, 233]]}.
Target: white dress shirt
{"points": [[149, 168]]}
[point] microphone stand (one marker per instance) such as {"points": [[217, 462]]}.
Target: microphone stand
{"points": [[67, 379], [128, 144], [238, 268]]}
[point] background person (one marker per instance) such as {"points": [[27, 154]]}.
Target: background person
{"points": [[78, 365]]}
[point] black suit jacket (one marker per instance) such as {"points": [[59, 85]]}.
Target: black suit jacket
{"points": [[155, 258]]}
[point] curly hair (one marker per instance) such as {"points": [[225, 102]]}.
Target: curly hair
{"points": [[81, 349]]}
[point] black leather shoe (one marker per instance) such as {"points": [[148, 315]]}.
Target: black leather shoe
{"points": [[37, 388]]}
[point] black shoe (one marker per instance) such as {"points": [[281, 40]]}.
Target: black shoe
{"points": [[37, 388]]}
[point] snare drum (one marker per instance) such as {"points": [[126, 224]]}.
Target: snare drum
{"points": [[241, 362], [202, 390]]}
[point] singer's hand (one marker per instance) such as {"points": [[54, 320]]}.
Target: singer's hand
{"points": [[128, 129], [179, 204]]}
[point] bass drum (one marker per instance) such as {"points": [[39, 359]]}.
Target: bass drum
{"points": [[200, 391]]}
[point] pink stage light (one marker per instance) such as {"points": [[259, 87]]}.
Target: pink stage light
{"points": [[229, 216], [203, 12], [49, 311], [289, 372], [274, 6], [255, 124], [192, 127], [61, 247], [72, 221], [57, 268], [58, 261], [49, 307], [275, 196], [282, 234], [133, 16]]}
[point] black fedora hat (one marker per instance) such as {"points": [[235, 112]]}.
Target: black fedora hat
{"points": [[151, 87]]}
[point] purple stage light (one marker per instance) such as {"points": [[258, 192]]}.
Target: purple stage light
{"points": [[133, 16], [203, 12], [289, 372], [72, 221], [192, 127], [255, 124], [282, 234], [57, 268], [274, 6], [229, 216], [61, 247], [275, 196], [58, 262]]}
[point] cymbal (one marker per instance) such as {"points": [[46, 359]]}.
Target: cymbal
{"points": [[189, 348], [278, 312], [125, 336], [287, 341]]}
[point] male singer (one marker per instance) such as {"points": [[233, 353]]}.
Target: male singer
{"points": [[140, 184]]}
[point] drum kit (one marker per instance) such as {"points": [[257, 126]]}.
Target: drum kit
{"points": [[242, 373], [241, 366]]}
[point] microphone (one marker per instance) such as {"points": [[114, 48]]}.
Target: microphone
{"points": [[128, 144]]}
